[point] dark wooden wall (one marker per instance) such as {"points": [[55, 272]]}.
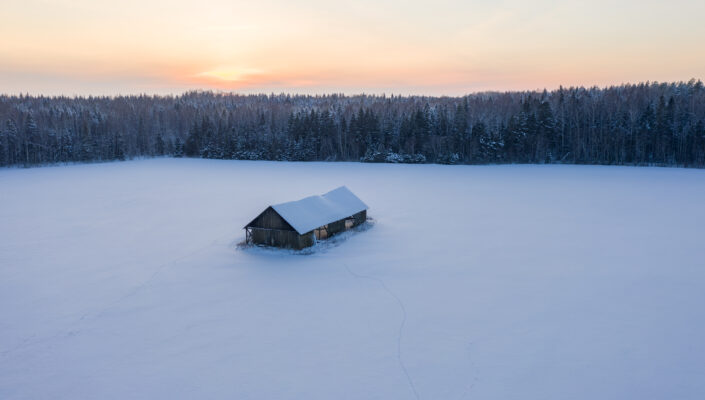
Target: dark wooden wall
{"points": [[271, 220], [335, 227], [281, 238], [360, 217]]}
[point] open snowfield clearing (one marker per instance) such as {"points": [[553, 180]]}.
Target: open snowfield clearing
{"points": [[124, 281]]}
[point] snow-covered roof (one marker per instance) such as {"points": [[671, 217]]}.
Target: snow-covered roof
{"points": [[313, 212]]}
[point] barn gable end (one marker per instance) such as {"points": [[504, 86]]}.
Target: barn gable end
{"points": [[270, 219]]}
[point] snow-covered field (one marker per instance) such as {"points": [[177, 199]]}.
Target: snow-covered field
{"points": [[125, 281]]}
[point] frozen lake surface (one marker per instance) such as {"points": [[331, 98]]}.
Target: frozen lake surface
{"points": [[124, 280]]}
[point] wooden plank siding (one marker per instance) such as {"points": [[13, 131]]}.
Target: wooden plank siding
{"points": [[270, 229], [359, 217], [335, 227], [281, 238], [270, 219]]}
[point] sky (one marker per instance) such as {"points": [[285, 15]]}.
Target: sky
{"points": [[440, 47]]}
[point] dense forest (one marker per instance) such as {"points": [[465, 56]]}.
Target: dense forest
{"points": [[641, 124]]}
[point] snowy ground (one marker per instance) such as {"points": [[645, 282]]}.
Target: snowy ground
{"points": [[124, 281]]}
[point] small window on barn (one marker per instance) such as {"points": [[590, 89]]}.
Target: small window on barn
{"points": [[321, 233]]}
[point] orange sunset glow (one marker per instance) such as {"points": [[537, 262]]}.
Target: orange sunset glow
{"points": [[100, 47]]}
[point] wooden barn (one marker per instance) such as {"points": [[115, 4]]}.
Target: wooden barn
{"points": [[298, 224]]}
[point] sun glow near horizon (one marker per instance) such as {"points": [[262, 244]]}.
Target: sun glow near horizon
{"points": [[452, 47]]}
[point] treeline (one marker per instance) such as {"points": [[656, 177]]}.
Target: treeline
{"points": [[642, 124]]}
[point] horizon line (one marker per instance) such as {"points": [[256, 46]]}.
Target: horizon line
{"points": [[323, 93]]}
